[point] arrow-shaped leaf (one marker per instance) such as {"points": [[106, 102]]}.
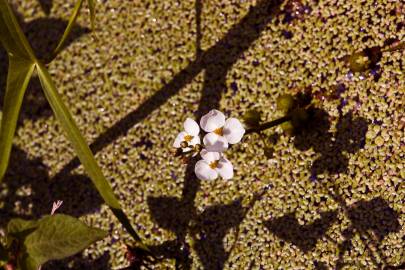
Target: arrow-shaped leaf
{"points": [[57, 237]]}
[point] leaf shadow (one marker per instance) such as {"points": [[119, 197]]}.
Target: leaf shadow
{"points": [[46, 6], [28, 191], [305, 237], [372, 220], [215, 61], [78, 262], [335, 147], [208, 229], [43, 34]]}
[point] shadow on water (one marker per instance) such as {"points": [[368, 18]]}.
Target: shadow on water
{"points": [[207, 229], [374, 216], [333, 148], [371, 219], [78, 262], [176, 214], [216, 61], [43, 35], [304, 237], [46, 6], [28, 191]]}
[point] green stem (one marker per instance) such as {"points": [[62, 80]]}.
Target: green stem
{"points": [[268, 125]]}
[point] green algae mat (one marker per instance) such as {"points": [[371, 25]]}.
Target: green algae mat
{"points": [[328, 197]]}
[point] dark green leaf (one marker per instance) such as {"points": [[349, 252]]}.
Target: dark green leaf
{"points": [[57, 237], [19, 74], [17, 226]]}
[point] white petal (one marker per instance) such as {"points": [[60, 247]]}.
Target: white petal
{"points": [[212, 120], [215, 143], [225, 168], [195, 140], [233, 130], [204, 172], [191, 127], [179, 139], [210, 156]]}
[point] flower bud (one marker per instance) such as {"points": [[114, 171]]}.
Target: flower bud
{"points": [[359, 62], [285, 102], [252, 118], [288, 128]]}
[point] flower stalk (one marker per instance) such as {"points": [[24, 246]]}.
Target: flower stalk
{"points": [[268, 125]]}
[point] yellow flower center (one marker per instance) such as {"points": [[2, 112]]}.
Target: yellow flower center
{"points": [[219, 131], [188, 138], [214, 164]]}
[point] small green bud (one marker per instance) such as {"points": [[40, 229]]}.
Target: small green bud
{"points": [[359, 62], [252, 118], [288, 128], [285, 102]]}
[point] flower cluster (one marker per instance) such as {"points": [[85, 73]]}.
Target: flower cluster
{"points": [[220, 132]]}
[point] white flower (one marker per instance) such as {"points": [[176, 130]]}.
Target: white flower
{"points": [[220, 132], [212, 165], [190, 135]]}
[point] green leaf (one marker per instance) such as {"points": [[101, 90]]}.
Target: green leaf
{"points": [[92, 8], [69, 27], [11, 35], [79, 144], [82, 150], [19, 74], [19, 228], [57, 237]]}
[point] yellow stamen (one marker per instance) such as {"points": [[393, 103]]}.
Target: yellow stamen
{"points": [[188, 138], [214, 164], [219, 131]]}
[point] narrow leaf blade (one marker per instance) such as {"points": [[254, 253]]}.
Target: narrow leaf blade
{"points": [[69, 27], [19, 74], [92, 8], [82, 149], [11, 35], [59, 236]]}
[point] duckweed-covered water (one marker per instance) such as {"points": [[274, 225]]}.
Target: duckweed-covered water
{"points": [[331, 197]]}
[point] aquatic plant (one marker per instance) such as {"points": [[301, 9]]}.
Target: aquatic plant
{"points": [[22, 64]]}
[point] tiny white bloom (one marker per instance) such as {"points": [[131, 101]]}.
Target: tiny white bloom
{"points": [[190, 135], [221, 132], [212, 165]]}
